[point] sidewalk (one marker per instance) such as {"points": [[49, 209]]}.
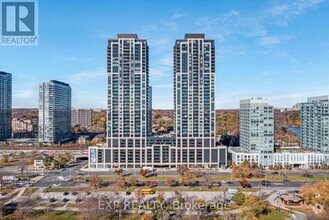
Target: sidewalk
{"points": [[21, 191]]}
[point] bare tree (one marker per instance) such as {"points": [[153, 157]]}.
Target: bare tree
{"points": [[25, 208], [22, 165], [132, 181], [207, 179], [99, 207], [138, 195]]}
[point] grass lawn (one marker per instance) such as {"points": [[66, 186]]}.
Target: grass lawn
{"points": [[227, 177], [56, 215], [60, 189], [274, 215], [73, 205], [52, 205], [7, 190], [29, 191]]}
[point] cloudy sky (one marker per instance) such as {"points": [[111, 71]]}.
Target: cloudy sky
{"points": [[273, 49]]}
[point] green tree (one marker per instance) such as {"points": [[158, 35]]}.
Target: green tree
{"points": [[4, 158], [239, 198], [255, 205]]}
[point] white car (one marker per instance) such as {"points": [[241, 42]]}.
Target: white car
{"points": [[56, 184]]}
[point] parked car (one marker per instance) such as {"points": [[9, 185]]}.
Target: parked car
{"points": [[128, 193], [65, 200], [52, 200], [193, 184], [176, 183], [154, 184], [75, 193], [78, 200], [140, 184], [265, 183], [66, 193], [215, 185]]}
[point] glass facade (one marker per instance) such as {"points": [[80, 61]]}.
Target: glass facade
{"points": [[315, 124], [194, 101], [129, 100], [256, 126], [130, 144], [5, 105], [54, 112]]}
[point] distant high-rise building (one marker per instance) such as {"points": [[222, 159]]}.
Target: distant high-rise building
{"points": [[54, 112], [81, 117], [5, 105], [315, 124], [256, 126]]}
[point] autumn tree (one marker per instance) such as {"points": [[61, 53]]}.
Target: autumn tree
{"points": [[242, 171], [121, 182], [62, 158], [4, 158], [132, 181], [170, 181], [186, 175], [239, 197], [95, 181], [244, 183], [255, 206], [118, 172], [182, 170], [316, 194], [143, 172]]}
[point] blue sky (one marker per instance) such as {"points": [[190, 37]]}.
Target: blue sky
{"points": [[273, 49]]}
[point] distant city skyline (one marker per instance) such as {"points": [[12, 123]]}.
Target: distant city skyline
{"points": [[278, 50]]}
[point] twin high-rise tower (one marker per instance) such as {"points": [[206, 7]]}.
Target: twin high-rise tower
{"points": [[130, 143]]}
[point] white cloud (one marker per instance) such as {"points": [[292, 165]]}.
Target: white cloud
{"points": [[163, 86], [80, 60], [279, 9], [86, 76], [269, 41], [178, 15], [25, 93], [158, 71], [255, 23]]}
